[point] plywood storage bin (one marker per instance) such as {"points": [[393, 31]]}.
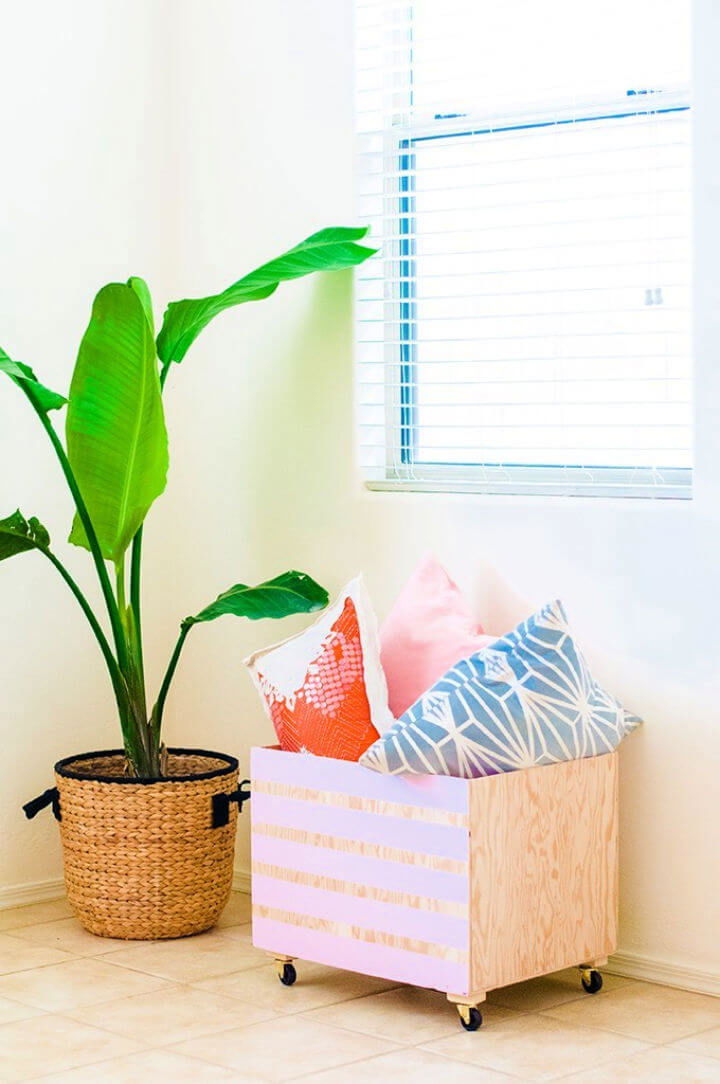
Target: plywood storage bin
{"points": [[458, 885]]}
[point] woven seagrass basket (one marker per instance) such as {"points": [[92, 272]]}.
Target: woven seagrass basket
{"points": [[149, 858]]}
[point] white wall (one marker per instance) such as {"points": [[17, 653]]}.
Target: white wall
{"points": [[82, 139], [258, 152], [639, 578]]}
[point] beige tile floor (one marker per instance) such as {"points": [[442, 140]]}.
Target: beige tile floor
{"points": [[74, 1007]]}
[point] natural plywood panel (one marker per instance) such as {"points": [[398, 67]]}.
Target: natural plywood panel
{"points": [[381, 807], [455, 908], [362, 849], [543, 870], [369, 935], [346, 777]]}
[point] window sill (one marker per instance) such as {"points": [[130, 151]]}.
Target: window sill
{"points": [[556, 491]]}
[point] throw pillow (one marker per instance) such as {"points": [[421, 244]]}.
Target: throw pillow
{"points": [[527, 700], [324, 689], [428, 630]]}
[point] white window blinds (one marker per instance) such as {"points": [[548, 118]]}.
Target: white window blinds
{"points": [[525, 167]]}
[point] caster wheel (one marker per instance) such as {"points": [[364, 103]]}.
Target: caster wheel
{"points": [[470, 1018], [287, 974], [591, 980]]}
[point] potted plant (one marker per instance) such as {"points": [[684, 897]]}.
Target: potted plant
{"points": [[148, 832]]}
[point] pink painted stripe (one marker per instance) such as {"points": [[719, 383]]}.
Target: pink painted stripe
{"points": [[346, 777], [362, 869], [367, 959], [439, 839], [391, 918]]}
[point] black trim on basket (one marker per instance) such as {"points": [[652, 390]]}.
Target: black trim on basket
{"points": [[63, 767], [36, 805], [221, 804]]}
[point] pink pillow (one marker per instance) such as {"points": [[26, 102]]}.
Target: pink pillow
{"points": [[429, 629]]}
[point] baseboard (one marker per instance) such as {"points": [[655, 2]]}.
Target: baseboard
{"points": [[241, 880], [632, 965], [54, 889], [31, 892]]}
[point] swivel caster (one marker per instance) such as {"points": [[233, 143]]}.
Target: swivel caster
{"points": [[286, 972], [470, 1017], [591, 980]]}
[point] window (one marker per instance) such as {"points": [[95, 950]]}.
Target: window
{"points": [[525, 166]]}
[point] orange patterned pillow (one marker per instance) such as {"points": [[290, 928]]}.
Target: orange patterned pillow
{"points": [[325, 689]]}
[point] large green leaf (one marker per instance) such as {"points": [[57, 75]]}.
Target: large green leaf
{"points": [[24, 377], [290, 593], [116, 435], [329, 250], [142, 289], [18, 535]]}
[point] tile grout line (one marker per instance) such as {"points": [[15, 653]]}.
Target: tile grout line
{"points": [[40, 967], [374, 1057], [413, 1045], [121, 1057], [461, 1061], [293, 1012], [547, 1015], [185, 986], [100, 954], [85, 1065], [673, 1043], [649, 1046], [564, 1076], [186, 982]]}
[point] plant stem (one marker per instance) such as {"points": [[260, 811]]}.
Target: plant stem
{"points": [[135, 571], [169, 674], [120, 587], [116, 676], [157, 712], [145, 758], [119, 684], [112, 608], [134, 673]]}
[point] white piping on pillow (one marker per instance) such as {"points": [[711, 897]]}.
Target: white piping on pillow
{"points": [[285, 664]]}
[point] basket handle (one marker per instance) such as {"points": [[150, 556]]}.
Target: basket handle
{"points": [[221, 804], [48, 797]]}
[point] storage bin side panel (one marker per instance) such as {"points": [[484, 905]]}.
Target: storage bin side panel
{"points": [[543, 870], [361, 871]]}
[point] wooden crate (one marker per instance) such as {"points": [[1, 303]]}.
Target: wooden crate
{"points": [[458, 885]]}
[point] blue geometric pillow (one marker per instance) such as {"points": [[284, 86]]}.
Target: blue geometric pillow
{"points": [[528, 699]]}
